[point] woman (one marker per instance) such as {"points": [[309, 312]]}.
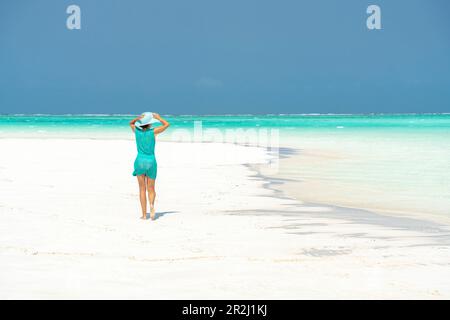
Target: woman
{"points": [[145, 166]]}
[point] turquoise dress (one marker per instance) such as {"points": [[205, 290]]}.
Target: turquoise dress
{"points": [[145, 163]]}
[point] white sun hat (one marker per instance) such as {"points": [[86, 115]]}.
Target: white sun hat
{"points": [[147, 119]]}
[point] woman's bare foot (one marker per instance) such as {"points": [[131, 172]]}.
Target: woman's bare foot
{"points": [[152, 212], [144, 217]]}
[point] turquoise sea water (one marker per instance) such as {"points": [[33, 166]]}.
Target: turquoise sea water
{"points": [[107, 124], [395, 163]]}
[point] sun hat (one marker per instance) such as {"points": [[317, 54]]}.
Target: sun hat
{"points": [[147, 119]]}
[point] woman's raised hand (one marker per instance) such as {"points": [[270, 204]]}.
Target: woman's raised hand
{"points": [[165, 124]]}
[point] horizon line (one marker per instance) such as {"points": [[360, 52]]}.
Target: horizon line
{"points": [[227, 114]]}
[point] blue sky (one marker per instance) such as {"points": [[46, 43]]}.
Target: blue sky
{"points": [[224, 56]]}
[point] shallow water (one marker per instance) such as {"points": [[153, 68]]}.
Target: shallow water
{"points": [[390, 170]]}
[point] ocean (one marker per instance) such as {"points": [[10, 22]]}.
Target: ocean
{"points": [[394, 163]]}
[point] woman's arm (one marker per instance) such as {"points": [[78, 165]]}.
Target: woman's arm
{"points": [[164, 122], [132, 122]]}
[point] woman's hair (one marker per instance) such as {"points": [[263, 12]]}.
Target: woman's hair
{"points": [[145, 127]]}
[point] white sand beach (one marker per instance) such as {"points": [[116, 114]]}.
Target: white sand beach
{"points": [[70, 229]]}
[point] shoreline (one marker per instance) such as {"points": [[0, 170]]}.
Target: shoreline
{"points": [[280, 185], [409, 218], [284, 151]]}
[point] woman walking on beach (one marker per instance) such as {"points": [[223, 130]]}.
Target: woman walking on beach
{"points": [[145, 166]]}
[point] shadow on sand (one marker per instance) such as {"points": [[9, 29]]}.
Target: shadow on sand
{"points": [[160, 214]]}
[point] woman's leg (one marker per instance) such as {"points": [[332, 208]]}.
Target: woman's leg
{"points": [[143, 195], [151, 196]]}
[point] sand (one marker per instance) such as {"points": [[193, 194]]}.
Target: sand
{"points": [[70, 229]]}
